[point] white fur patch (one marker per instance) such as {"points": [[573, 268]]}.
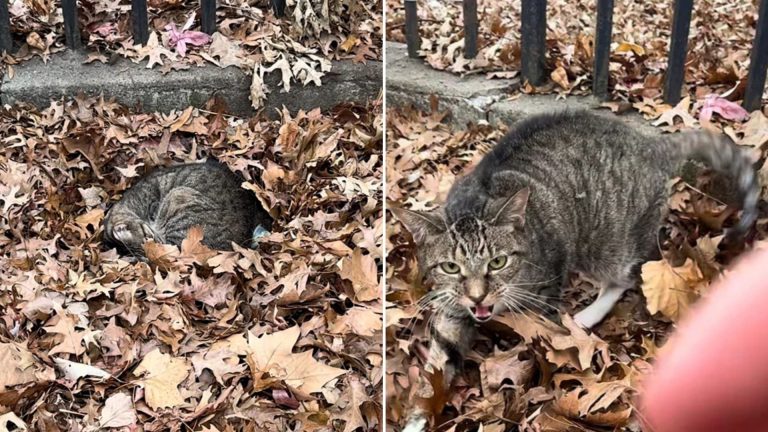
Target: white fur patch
{"points": [[416, 425]]}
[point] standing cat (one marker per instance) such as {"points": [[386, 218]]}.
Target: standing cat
{"points": [[561, 192], [164, 205]]}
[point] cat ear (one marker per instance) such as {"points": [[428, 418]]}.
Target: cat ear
{"points": [[421, 224], [510, 211]]}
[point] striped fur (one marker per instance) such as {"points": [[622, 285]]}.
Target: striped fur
{"points": [[164, 205], [595, 199]]}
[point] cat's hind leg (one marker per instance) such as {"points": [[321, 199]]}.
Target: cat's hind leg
{"points": [[610, 293]]}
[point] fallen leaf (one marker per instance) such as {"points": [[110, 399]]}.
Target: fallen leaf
{"points": [[74, 371], [670, 290], [361, 271], [162, 375], [118, 412], [273, 354]]}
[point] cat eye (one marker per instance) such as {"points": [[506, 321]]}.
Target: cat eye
{"points": [[498, 263], [450, 267]]}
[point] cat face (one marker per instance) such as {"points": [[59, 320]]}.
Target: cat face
{"points": [[478, 264]]}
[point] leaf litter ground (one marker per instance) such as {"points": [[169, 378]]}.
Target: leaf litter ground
{"points": [[526, 373], [286, 336]]}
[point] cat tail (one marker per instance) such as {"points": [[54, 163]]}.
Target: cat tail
{"points": [[724, 156]]}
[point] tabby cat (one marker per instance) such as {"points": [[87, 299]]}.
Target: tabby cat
{"points": [[165, 204], [561, 192]]}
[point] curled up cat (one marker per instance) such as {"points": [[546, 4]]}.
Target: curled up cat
{"points": [[165, 204], [563, 192]]}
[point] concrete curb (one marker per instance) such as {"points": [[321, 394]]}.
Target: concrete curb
{"points": [[474, 98], [130, 83]]}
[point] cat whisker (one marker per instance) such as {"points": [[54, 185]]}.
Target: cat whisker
{"points": [[521, 299], [528, 296], [522, 308], [534, 283]]}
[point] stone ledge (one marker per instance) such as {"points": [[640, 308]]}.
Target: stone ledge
{"points": [[474, 98], [131, 84]]}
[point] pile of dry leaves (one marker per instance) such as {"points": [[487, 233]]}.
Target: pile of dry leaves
{"points": [[249, 36], [526, 371], [286, 336], [721, 37]]}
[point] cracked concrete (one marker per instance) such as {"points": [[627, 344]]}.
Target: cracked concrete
{"points": [[132, 84], [474, 98]]}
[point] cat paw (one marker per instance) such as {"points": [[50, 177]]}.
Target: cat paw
{"points": [[417, 424], [122, 233], [132, 233], [587, 319]]}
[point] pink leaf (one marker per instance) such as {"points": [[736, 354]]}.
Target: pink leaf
{"points": [[282, 397], [180, 39], [105, 29], [727, 109]]}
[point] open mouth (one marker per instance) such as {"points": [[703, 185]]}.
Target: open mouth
{"points": [[481, 313]]}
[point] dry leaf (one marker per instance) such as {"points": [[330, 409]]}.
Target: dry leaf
{"points": [[118, 411], [361, 271], [670, 290], [162, 375], [273, 354]]}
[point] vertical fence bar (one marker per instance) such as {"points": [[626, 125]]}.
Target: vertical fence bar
{"points": [[278, 6], [6, 41], [208, 16], [533, 39], [139, 21], [758, 62], [412, 29], [602, 48], [470, 28], [71, 30], [678, 47]]}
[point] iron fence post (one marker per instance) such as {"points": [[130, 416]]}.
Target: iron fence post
{"points": [[139, 21], [208, 16], [602, 48], [470, 28], [533, 39], [758, 62], [678, 47], [412, 28], [278, 6], [71, 30], [6, 41]]}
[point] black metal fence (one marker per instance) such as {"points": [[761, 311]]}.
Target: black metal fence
{"points": [[533, 32], [139, 18]]}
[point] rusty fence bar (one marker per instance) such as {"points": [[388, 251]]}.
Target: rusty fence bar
{"points": [[208, 16], [470, 28], [758, 62], [533, 31], [139, 21], [678, 47], [412, 29], [602, 48]]}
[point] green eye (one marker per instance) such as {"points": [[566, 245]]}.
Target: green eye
{"points": [[498, 263], [450, 267]]}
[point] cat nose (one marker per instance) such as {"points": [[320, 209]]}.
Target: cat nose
{"points": [[477, 298]]}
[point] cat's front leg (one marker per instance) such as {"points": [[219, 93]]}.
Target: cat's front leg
{"points": [[124, 228], [450, 338]]}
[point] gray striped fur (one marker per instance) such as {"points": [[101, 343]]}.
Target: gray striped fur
{"points": [[165, 204], [597, 197]]}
